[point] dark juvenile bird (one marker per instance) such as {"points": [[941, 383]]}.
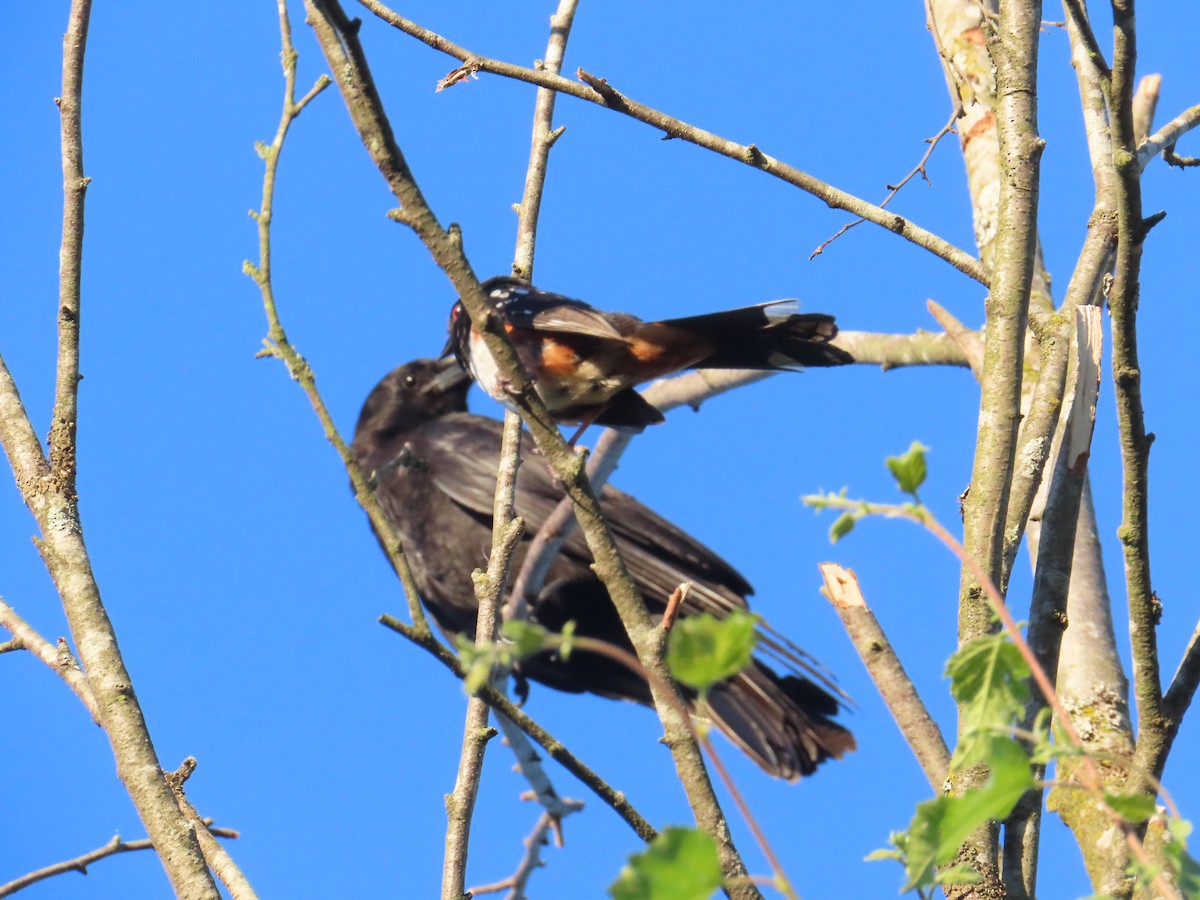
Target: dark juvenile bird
{"points": [[434, 469], [585, 362]]}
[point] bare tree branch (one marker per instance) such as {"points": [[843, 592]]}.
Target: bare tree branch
{"points": [[598, 91], [1164, 139], [217, 856], [489, 588], [1153, 740], [544, 137], [47, 486], [1052, 574], [1145, 102], [1007, 237], [1183, 686], [893, 190], [80, 863], [920, 731], [50, 654], [530, 861], [554, 748]]}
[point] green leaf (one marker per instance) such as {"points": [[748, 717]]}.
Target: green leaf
{"points": [[884, 853], [568, 640], [988, 677], [909, 468], [843, 526], [477, 663], [941, 825], [703, 650], [680, 864], [1135, 808], [527, 638], [1185, 867]]}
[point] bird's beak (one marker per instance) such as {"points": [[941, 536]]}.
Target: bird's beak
{"points": [[448, 350], [450, 374]]}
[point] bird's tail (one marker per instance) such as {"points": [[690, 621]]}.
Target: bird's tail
{"points": [[783, 723], [774, 335]]}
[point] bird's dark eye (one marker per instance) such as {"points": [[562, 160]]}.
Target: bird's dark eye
{"points": [[409, 381]]}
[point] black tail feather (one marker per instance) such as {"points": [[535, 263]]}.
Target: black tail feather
{"points": [[781, 723], [767, 336]]}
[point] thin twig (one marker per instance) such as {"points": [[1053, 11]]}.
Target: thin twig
{"points": [[554, 748], [75, 183], [80, 863], [893, 190], [530, 861], [543, 138], [31, 640]]}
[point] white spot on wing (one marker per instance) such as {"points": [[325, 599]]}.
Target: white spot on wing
{"points": [[780, 310]]}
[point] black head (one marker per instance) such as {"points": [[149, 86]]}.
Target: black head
{"points": [[458, 342], [499, 290], [408, 396]]}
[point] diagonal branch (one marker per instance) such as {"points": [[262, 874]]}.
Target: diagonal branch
{"points": [[899, 694], [80, 863], [554, 748], [1164, 139], [1183, 686], [64, 664], [598, 91]]}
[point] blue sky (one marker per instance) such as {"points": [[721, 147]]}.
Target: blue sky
{"points": [[243, 579]]}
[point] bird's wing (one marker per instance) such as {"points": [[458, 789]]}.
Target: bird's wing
{"points": [[463, 453], [554, 313]]}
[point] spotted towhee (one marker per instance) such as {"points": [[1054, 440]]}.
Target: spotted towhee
{"points": [[434, 469], [585, 362]]}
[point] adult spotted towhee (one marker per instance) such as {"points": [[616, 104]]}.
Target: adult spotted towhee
{"points": [[585, 362], [434, 469]]}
